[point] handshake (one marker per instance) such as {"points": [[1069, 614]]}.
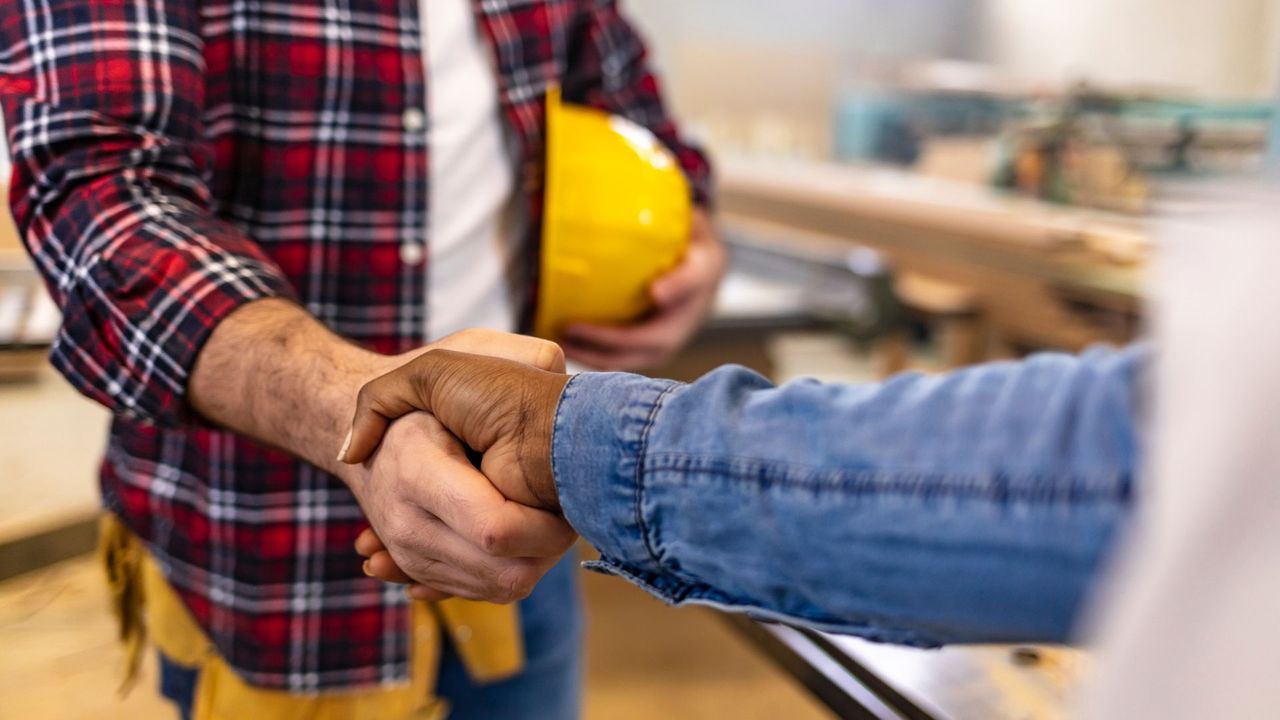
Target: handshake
{"points": [[441, 522]]}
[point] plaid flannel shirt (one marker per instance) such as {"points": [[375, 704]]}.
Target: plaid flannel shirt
{"points": [[176, 159]]}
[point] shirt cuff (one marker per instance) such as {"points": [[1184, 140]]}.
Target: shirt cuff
{"points": [[602, 426]]}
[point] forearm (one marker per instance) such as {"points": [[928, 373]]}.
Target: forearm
{"points": [[274, 373], [110, 195], [969, 507]]}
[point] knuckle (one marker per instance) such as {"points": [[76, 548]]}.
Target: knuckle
{"points": [[364, 397], [423, 568], [514, 583], [496, 535], [369, 400], [399, 530]]}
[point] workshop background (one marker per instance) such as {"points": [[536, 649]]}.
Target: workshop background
{"points": [[921, 184]]}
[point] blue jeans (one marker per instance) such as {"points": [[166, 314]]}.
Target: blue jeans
{"points": [[550, 688]]}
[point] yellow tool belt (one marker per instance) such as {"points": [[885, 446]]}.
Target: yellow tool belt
{"points": [[487, 637]]}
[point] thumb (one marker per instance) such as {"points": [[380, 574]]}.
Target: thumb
{"points": [[380, 401], [407, 388], [539, 353]]}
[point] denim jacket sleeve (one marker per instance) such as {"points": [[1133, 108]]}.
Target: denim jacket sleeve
{"points": [[975, 506]]}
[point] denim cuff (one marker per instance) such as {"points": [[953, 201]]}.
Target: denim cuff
{"points": [[602, 426]]}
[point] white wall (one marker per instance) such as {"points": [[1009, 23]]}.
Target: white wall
{"points": [[1212, 48], [841, 27], [764, 74]]}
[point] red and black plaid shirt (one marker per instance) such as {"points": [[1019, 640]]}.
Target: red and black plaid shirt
{"points": [[174, 159]]}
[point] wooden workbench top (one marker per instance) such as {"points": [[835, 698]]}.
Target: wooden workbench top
{"points": [[1043, 274], [909, 199]]}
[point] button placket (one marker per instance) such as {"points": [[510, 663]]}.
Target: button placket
{"points": [[412, 253], [413, 120]]}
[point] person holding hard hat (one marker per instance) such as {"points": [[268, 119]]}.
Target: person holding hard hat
{"points": [[245, 213]]}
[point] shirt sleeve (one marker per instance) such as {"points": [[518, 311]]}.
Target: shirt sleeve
{"points": [[609, 69], [976, 506], [103, 102]]}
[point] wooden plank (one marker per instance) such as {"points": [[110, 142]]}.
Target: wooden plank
{"points": [[65, 539], [1028, 265]]}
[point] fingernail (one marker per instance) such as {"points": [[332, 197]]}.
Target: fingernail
{"points": [[367, 571], [342, 454]]}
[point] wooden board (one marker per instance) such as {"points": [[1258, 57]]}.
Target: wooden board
{"points": [[1035, 268]]}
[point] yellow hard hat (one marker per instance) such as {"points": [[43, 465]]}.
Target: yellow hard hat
{"points": [[617, 215]]}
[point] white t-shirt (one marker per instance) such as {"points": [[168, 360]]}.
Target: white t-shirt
{"points": [[474, 218]]}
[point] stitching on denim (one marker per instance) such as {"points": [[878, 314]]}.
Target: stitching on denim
{"points": [[641, 469], [1031, 487], [555, 425]]}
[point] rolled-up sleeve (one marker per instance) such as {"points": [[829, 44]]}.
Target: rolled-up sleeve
{"points": [[102, 103], [602, 426], [976, 506]]}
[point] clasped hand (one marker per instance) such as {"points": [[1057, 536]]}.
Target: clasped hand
{"points": [[437, 521]]}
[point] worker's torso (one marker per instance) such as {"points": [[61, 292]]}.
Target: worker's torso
{"points": [[316, 114], [474, 226]]}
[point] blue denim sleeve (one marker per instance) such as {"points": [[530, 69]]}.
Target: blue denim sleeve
{"points": [[975, 506]]}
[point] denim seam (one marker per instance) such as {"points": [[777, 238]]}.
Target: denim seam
{"points": [[674, 460], [643, 443], [911, 483]]}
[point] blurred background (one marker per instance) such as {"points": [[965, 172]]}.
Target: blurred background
{"points": [[917, 184]]}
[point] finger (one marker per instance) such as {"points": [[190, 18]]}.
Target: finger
{"points": [[612, 360], [542, 354], [445, 578], [499, 592], [698, 272], [444, 561], [610, 339], [646, 344], [691, 277], [383, 567], [657, 333], [680, 283], [368, 543], [426, 594], [380, 401], [405, 389], [465, 500]]}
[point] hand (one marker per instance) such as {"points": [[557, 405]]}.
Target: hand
{"points": [[682, 300], [446, 526], [444, 522], [502, 409], [379, 564]]}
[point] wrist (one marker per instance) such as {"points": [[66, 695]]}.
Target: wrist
{"points": [[358, 368], [536, 435]]}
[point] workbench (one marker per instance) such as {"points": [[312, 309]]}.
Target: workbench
{"points": [[861, 680], [1045, 276]]}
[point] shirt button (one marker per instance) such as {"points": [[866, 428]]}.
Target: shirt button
{"points": [[411, 253], [414, 120]]}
